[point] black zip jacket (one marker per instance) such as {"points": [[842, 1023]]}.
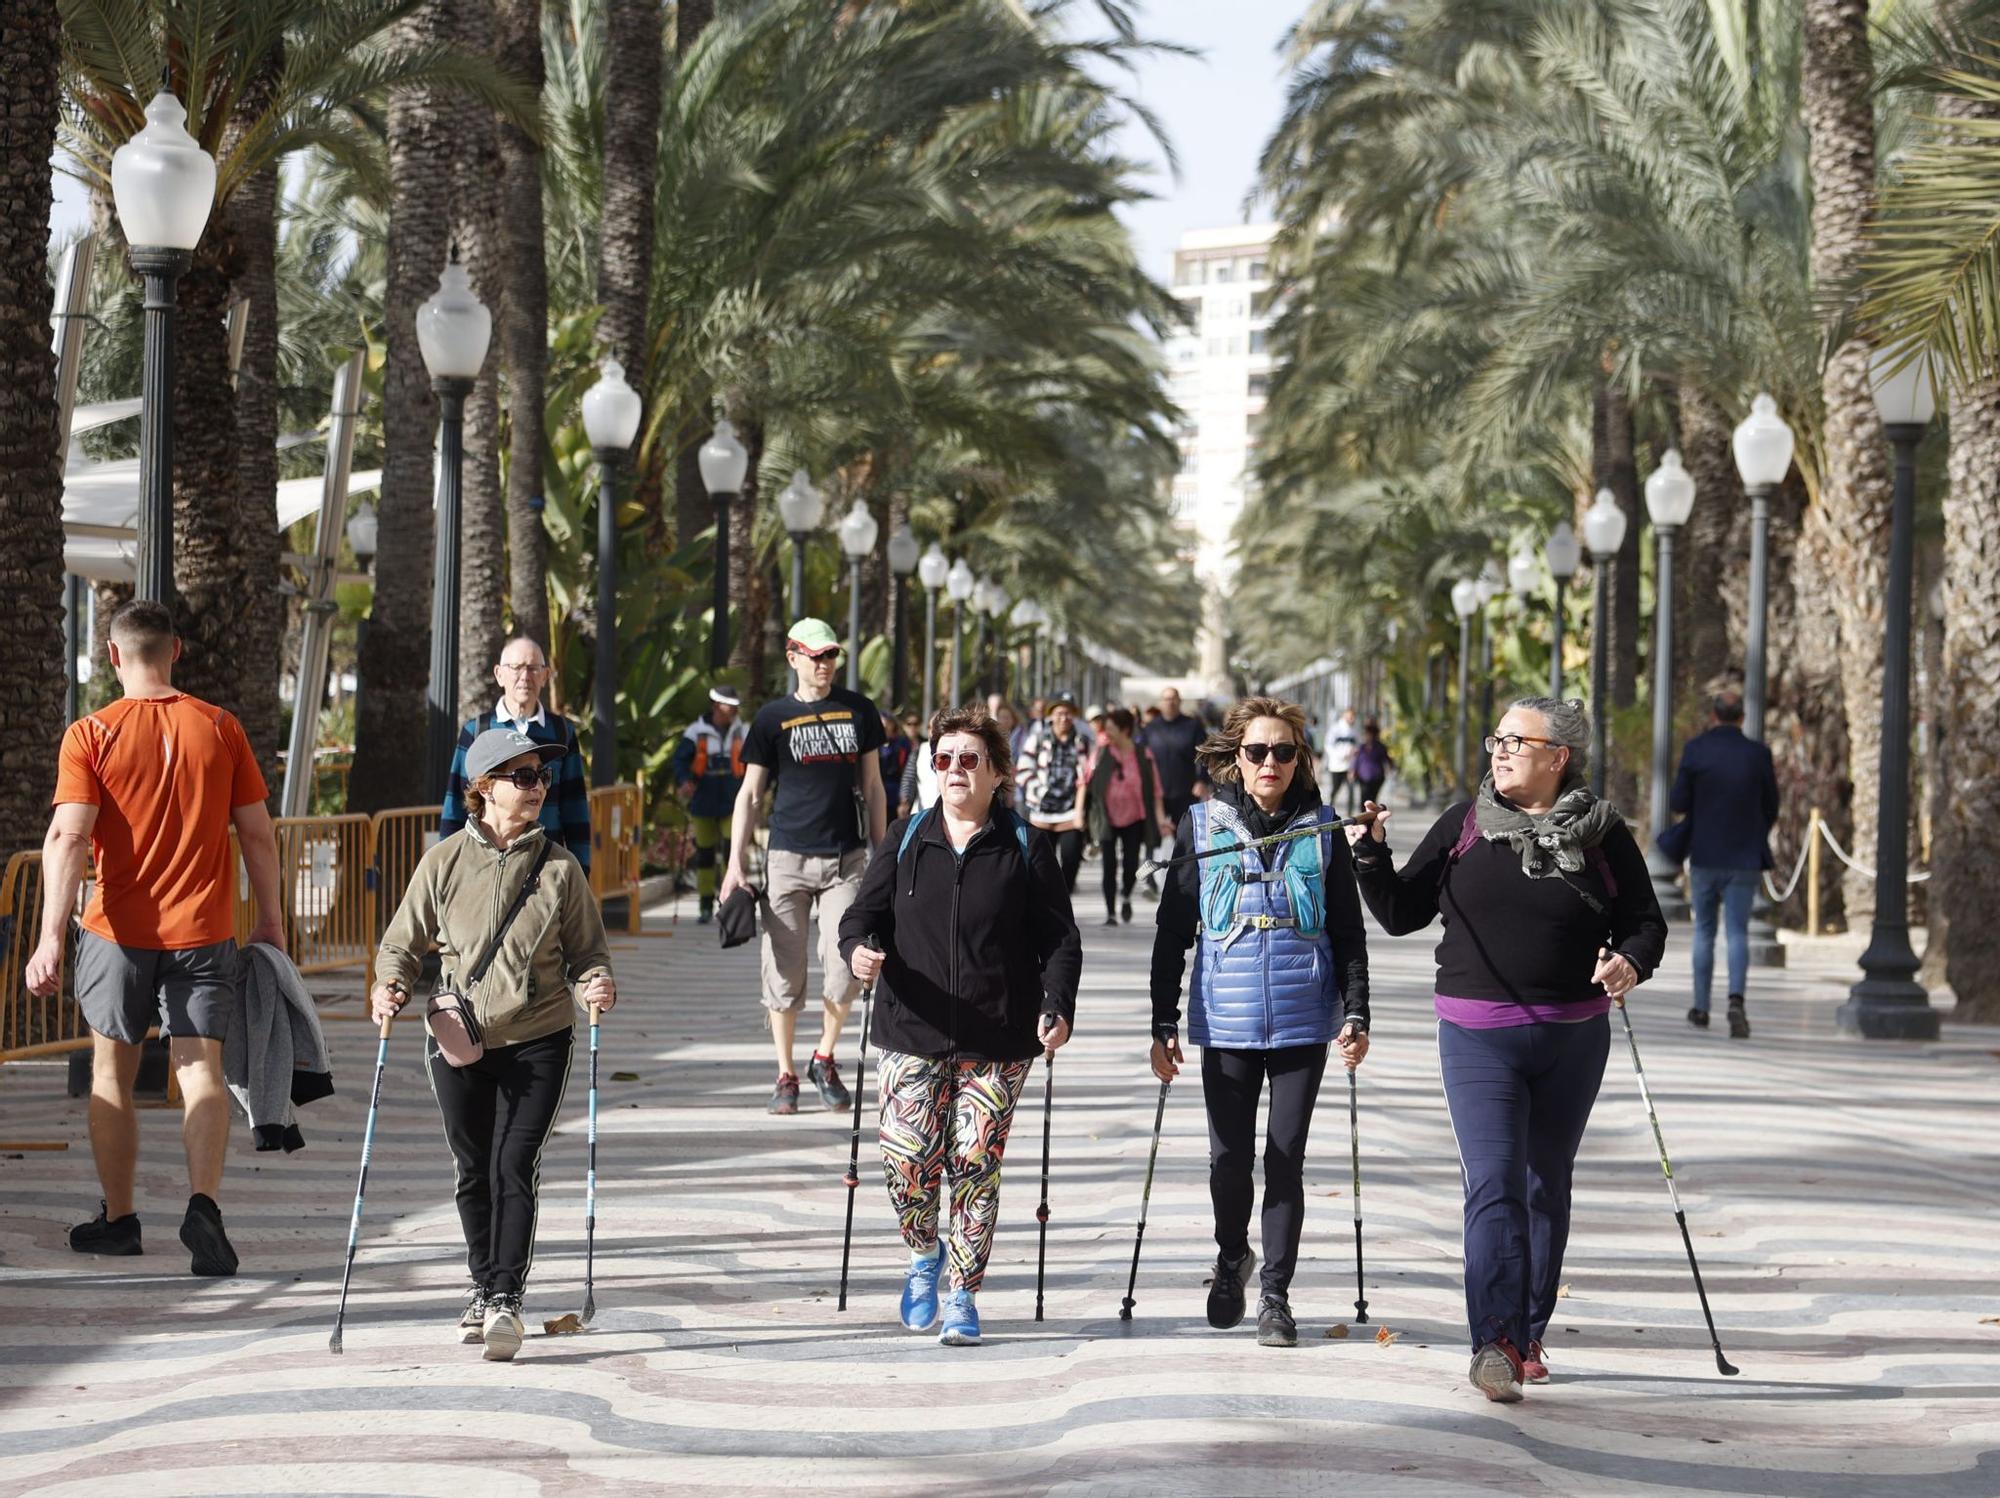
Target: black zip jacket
{"points": [[1179, 921], [1507, 936], [980, 945]]}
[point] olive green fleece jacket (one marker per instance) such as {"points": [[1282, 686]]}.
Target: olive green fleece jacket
{"points": [[457, 896]]}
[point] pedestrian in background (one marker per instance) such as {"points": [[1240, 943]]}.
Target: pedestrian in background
{"points": [[1050, 777], [1123, 808], [707, 770], [1342, 740], [1372, 761], [522, 674]]}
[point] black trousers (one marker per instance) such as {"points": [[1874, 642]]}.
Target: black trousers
{"points": [[1230, 1084], [1131, 840], [1069, 854], [1371, 790], [498, 1113]]}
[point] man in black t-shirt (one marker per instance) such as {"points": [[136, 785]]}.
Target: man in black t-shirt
{"points": [[815, 750]]}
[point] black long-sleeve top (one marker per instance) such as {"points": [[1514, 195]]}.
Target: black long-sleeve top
{"points": [[1507, 936], [1180, 906]]}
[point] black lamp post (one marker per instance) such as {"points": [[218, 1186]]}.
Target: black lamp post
{"points": [[163, 185], [724, 464], [800, 509], [1889, 1003], [1763, 448], [1562, 555], [611, 421], [1669, 501], [931, 572], [858, 530], [1604, 533], [1464, 603], [453, 331], [960, 584], [903, 558]]}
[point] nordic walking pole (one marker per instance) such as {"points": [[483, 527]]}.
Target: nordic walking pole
{"points": [[1722, 1364], [590, 1185], [1354, 1151], [367, 1144], [1365, 819], [1145, 1200], [853, 1176], [1042, 1212]]}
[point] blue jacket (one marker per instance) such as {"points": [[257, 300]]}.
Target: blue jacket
{"points": [[1728, 788]]}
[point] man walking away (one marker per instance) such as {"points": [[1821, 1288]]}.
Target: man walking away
{"points": [[815, 750], [1728, 789], [1341, 742], [1172, 739], [522, 674], [707, 769], [150, 787]]}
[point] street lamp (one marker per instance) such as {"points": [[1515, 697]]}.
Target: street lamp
{"points": [[611, 422], [1669, 501], [1492, 583], [996, 609], [1889, 1003], [903, 560], [1763, 446], [163, 184], [858, 530], [801, 507], [1464, 603], [931, 573], [1562, 554], [362, 530], [724, 463], [959, 583], [453, 331], [1604, 533]]}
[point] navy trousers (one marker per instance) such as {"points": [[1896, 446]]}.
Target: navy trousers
{"points": [[1519, 1099]]}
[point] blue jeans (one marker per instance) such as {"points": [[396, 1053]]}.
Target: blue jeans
{"points": [[1732, 890], [1519, 1099]]}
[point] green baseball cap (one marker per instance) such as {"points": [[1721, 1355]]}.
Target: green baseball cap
{"points": [[811, 636]]}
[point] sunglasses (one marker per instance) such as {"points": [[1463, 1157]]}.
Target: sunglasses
{"points": [[968, 760], [1283, 754], [1513, 743], [820, 658], [527, 779]]}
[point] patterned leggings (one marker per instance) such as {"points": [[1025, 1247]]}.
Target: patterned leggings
{"points": [[970, 1104]]}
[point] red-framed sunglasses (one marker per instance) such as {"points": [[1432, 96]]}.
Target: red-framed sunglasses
{"points": [[968, 760]]}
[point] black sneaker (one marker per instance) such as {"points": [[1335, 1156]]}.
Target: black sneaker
{"points": [[116, 1237], [1111, 919], [824, 1073], [502, 1330], [1275, 1327], [201, 1231], [707, 912], [785, 1096], [1225, 1290], [1698, 1018], [1125, 911], [472, 1320], [1739, 1022]]}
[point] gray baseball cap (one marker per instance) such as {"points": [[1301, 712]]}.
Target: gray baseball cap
{"points": [[496, 746]]}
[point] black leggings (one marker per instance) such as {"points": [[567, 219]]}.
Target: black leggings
{"points": [[1230, 1084], [1130, 839], [1069, 854], [498, 1113]]}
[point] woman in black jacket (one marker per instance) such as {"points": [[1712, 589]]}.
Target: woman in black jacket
{"points": [[1549, 918], [977, 973]]}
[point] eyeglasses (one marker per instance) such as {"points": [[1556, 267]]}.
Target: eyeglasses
{"points": [[1283, 754], [527, 779], [515, 668], [968, 760], [1513, 743]]}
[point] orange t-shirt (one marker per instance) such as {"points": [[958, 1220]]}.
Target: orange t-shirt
{"points": [[164, 774]]}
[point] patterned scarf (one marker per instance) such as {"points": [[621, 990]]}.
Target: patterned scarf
{"points": [[1551, 845]]}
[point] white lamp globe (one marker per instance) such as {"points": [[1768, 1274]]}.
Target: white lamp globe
{"points": [[362, 532], [1491, 584], [902, 550], [1604, 526], [1905, 396], [960, 582], [724, 461], [162, 181], [1763, 445], [611, 410], [1524, 572], [801, 506], [1561, 552], [1670, 491], [1465, 597], [932, 569], [858, 530], [454, 327]]}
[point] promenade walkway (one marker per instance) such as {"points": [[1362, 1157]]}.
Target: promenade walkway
{"points": [[1842, 1196]]}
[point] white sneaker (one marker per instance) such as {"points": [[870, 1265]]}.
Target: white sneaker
{"points": [[503, 1331], [472, 1320], [1495, 1372]]}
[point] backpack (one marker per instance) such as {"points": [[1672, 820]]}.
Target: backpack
{"points": [[1594, 856]]}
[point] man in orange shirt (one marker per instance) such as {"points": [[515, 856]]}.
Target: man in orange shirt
{"points": [[151, 785]]}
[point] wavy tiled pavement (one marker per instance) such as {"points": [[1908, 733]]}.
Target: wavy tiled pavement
{"points": [[1843, 1199]]}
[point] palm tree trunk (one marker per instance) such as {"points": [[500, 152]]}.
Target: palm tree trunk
{"points": [[749, 596], [396, 658], [633, 46], [524, 321], [1805, 723], [691, 505], [1714, 548], [31, 477], [1850, 525]]}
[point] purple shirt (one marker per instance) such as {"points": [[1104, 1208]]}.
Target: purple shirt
{"points": [[1503, 1014]]}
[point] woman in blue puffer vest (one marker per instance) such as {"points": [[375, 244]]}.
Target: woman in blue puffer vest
{"points": [[1280, 972]]}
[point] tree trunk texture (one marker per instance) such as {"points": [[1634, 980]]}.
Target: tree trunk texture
{"points": [[395, 661], [524, 323], [1850, 524], [749, 592], [899, 594], [1713, 553], [475, 195], [31, 460], [1617, 469], [105, 600], [633, 55], [691, 506], [1966, 833]]}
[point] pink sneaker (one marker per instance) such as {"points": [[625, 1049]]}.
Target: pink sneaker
{"points": [[1534, 1367]]}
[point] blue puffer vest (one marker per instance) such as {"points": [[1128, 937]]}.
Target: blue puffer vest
{"points": [[1264, 971]]}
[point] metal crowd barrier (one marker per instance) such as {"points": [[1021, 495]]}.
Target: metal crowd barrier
{"points": [[615, 817], [31, 1026]]}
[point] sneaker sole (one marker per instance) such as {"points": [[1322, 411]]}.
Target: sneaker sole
{"points": [[957, 1338], [1494, 1378], [1277, 1339], [470, 1336], [502, 1343], [107, 1250], [212, 1257]]}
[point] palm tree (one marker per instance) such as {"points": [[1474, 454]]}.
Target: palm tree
{"points": [[30, 455], [523, 321]]}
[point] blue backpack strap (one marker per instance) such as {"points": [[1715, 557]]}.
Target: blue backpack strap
{"points": [[910, 831]]}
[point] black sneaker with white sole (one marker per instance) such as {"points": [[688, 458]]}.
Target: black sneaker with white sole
{"points": [[113, 1236], [502, 1332], [201, 1232], [1275, 1326], [472, 1320], [1225, 1289], [824, 1073]]}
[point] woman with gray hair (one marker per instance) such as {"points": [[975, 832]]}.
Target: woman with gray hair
{"points": [[1549, 918]]}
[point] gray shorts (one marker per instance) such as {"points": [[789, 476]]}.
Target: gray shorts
{"points": [[124, 991]]}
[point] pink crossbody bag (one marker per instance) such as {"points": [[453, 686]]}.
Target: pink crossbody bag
{"points": [[449, 1015]]}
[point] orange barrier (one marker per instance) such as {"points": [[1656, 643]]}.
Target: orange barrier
{"points": [[616, 813], [401, 837], [31, 1026]]}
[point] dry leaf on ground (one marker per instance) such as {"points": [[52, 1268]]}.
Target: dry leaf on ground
{"points": [[624, 1076], [1337, 1331], [1562, 1292], [1989, 1320], [1385, 1337], [563, 1325]]}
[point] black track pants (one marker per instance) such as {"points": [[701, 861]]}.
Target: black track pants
{"points": [[1230, 1084]]}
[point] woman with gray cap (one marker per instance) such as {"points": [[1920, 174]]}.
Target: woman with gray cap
{"points": [[499, 893]]}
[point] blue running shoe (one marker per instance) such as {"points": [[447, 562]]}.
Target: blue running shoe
{"points": [[961, 1320], [920, 1297]]}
